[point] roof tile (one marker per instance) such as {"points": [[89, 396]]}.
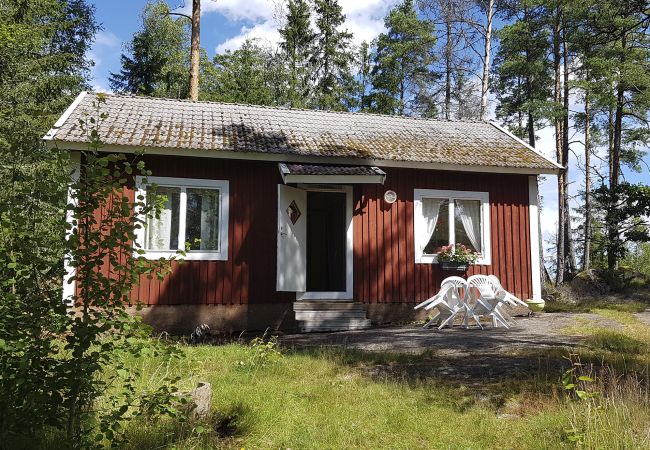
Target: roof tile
{"points": [[208, 126]]}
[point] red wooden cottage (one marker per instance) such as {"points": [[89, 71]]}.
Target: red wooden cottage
{"points": [[324, 220]]}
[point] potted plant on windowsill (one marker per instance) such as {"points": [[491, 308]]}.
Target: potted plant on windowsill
{"points": [[456, 257]]}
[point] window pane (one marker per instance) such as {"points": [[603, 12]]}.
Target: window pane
{"points": [[467, 223], [202, 219], [162, 231], [436, 214]]}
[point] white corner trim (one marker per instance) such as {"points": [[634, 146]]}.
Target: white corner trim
{"points": [[69, 285], [419, 226], [533, 209], [349, 257], [526, 144], [224, 207], [59, 123]]}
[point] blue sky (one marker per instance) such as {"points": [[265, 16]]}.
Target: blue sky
{"points": [[225, 25]]}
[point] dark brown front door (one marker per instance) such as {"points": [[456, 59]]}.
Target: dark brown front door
{"points": [[326, 242]]}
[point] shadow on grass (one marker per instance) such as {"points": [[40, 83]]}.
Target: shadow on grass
{"points": [[222, 429]]}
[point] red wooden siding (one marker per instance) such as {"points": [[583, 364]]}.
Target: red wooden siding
{"points": [[384, 260], [385, 250]]}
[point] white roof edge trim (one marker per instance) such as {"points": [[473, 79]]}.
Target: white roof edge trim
{"points": [[59, 123], [526, 144]]}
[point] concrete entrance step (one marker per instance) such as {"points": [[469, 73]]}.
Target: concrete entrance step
{"points": [[319, 316], [315, 326], [325, 305]]}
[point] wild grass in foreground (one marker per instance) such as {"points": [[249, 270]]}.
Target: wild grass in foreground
{"points": [[265, 396], [332, 398]]}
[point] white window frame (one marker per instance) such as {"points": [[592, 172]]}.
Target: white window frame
{"points": [[419, 224], [222, 186]]}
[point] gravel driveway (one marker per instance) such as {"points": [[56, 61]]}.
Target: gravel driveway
{"points": [[471, 355]]}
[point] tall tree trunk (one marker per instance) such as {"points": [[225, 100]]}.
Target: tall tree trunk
{"points": [[448, 55], [195, 50], [586, 250], [557, 58], [615, 160], [485, 82], [569, 249]]}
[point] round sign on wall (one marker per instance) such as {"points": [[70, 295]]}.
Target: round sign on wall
{"points": [[390, 196]]}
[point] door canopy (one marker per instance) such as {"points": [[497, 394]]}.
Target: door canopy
{"points": [[322, 174]]}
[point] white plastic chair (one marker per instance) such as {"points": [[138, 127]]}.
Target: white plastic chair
{"points": [[457, 304], [487, 301], [448, 301], [505, 295]]}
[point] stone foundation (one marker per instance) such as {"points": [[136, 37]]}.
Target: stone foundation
{"points": [[182, 319]]}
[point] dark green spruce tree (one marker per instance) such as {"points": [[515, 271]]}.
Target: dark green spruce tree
{"points": [[297, 46], [332, 58]]}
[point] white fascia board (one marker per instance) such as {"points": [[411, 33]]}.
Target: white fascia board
{"points": [[526, 144], [281, 157], [59, 123]]}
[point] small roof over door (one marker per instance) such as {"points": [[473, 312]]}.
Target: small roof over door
{"points": [[323, 174]]}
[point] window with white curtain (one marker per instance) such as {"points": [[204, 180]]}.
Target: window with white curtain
{"points": [[451, 217], [193, 217]]}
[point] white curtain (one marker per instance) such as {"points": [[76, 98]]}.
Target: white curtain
{"points": [[209, 219], [159, 230], [430, 211], [470, 215]]}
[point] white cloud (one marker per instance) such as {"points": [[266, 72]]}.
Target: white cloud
{"points": [[265, 31], [364, 18], [107, 39], [235, 10]]}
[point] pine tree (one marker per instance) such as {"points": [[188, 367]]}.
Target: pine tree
{"points": [[523, 79], [332, 58], [402, 63], [297, 45], [619, 33], [158, 59]]}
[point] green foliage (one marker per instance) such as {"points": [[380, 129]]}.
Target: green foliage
{"points": [[99, 331], [402, 63], [252, 74], [625, 208], [43, 64], [158, 59], [638, 259]]}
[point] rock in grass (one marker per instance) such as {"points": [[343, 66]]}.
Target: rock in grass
{"points": [[201, 398]]}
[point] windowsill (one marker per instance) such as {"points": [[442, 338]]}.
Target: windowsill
{"points": [[433, 259], [189, 256]]}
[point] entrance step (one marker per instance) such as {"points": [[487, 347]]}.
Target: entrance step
{"points": [[322, 315]]}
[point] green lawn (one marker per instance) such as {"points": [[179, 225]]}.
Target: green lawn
{"points": [[335, 399]]}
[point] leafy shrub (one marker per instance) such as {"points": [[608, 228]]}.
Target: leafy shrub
{"points": [[261, 352]]}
